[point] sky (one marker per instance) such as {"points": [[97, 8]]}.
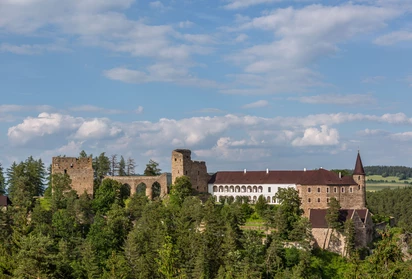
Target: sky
{"points": [[249, 84]]}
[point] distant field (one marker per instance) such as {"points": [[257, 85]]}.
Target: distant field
{"points": [[390, 182]]}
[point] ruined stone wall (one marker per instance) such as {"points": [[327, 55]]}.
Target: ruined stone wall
{"points": [[80, 171], [182, 164], [149, 181], [318, 196]]}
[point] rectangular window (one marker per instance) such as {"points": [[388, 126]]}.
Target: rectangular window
{"points": [[335, 190], [318, 189], [309, 190], [350, 189], [269, 189]]}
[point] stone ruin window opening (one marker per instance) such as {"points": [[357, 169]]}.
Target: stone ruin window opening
{"points": [[358, 187], [71, 165], [309, 200], [65, 171], [318, 199], [318, 189], [309, 190]]}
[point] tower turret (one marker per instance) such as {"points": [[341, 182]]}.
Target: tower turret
{"points": [[360, 178]]}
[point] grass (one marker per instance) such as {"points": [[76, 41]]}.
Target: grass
{"points": [[390, 182]]}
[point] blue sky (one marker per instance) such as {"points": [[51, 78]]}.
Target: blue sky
{"points": [[250, 84]]}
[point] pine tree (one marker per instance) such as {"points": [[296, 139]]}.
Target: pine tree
{"points": [[122, 167], [2, 181], [130, 166]]}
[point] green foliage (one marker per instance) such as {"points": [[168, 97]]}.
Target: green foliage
{"points": [[332, 215], [122, 167], [261, 205], [2, 181], [152, 168], [181, 189], [109, 192]]}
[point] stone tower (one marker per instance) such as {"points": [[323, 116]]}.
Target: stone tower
{"points": [[80, 171], [360, 178], [182, 164]]}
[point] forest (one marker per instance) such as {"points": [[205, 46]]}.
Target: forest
{"points": [[50, 231]]}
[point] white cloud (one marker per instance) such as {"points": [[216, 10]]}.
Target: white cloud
{"points": [[314, 136], [185, 24], [91, 108], [239, 4], [32, 49], [257, 104], [394, 38], [241, 38], [374, 79], [19, 108], [97, 129], [337, 99], [139, 110], [301, 36]]}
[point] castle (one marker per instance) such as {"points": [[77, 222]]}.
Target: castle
{"points": [[315, 188]]}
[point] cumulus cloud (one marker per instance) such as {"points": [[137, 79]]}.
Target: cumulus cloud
{"points": [[301, 36], [239, 4], [314, 136], [97, 129], [337, 99], [257, 104], [394, 38], [139, 110]]}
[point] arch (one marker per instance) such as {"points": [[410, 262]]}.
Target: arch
{"points": [[260, 189], [156, 190], [232, 189], [268, 199], [273, 200], [254, 189], [214, 188], [243, 189], [237, 189], [220, 188], [226, 189], [254, 198], [249, 189], [141, 189]]}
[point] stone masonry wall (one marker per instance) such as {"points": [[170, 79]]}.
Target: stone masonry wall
{"points": [[182, 164], [318, 196], [80, 171]]}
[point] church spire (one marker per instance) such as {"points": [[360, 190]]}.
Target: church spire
{"points": [[359, 166]]}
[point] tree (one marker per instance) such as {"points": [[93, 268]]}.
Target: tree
{"points": [[261, 205], [109, 192], [152, 169], [332, 215], [83, 154], [181, 189], [130, 165], [114, 165], [101, 166], [2, 181], [122, 167]]}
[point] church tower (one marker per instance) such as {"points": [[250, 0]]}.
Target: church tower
{"points": [[360, 178]]}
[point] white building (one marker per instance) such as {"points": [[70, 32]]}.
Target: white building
{"points": [[251, 184]]}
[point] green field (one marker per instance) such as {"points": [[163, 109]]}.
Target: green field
{"points": [[377, 182]]}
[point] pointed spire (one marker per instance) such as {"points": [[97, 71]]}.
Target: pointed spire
{"points": [[359, 166]]}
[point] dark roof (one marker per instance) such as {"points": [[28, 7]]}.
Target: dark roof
{"points": [[359, 166], [318, 220], [4, 201], [310, 177]]}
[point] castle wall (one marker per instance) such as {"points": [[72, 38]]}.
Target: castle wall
{"points": [[80, 171], [182, 164], [318, 196], [134, 181]]}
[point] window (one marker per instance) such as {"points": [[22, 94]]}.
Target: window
{"points": [[65, 171], [198, 172], [318, 189], [318, 199], [343, 189], [327, 190], [175, 159], [350, 189], [269, 189], [186, 172], [358, 187], [309, 200], [327, 200], [309, 190], [359, 177], [335, 190]]}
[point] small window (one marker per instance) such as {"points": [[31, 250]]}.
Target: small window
{"points": [[327, 200], [309, 200], [359, 177], [65, 171], [343, 189], [318, 189], [335, 190], [358, 187], [318, 199], [327, 190], [175, 159], [186, 172], [198, 172], [269, 189], [350, 189], [309, 190]]}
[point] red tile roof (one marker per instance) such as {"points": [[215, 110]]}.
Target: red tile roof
{"points": [[310, 177], [318, 220]]}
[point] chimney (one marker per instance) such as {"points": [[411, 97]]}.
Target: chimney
{"points": [[244, 171], [267, 170], [304, 169], [340, 175]]}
